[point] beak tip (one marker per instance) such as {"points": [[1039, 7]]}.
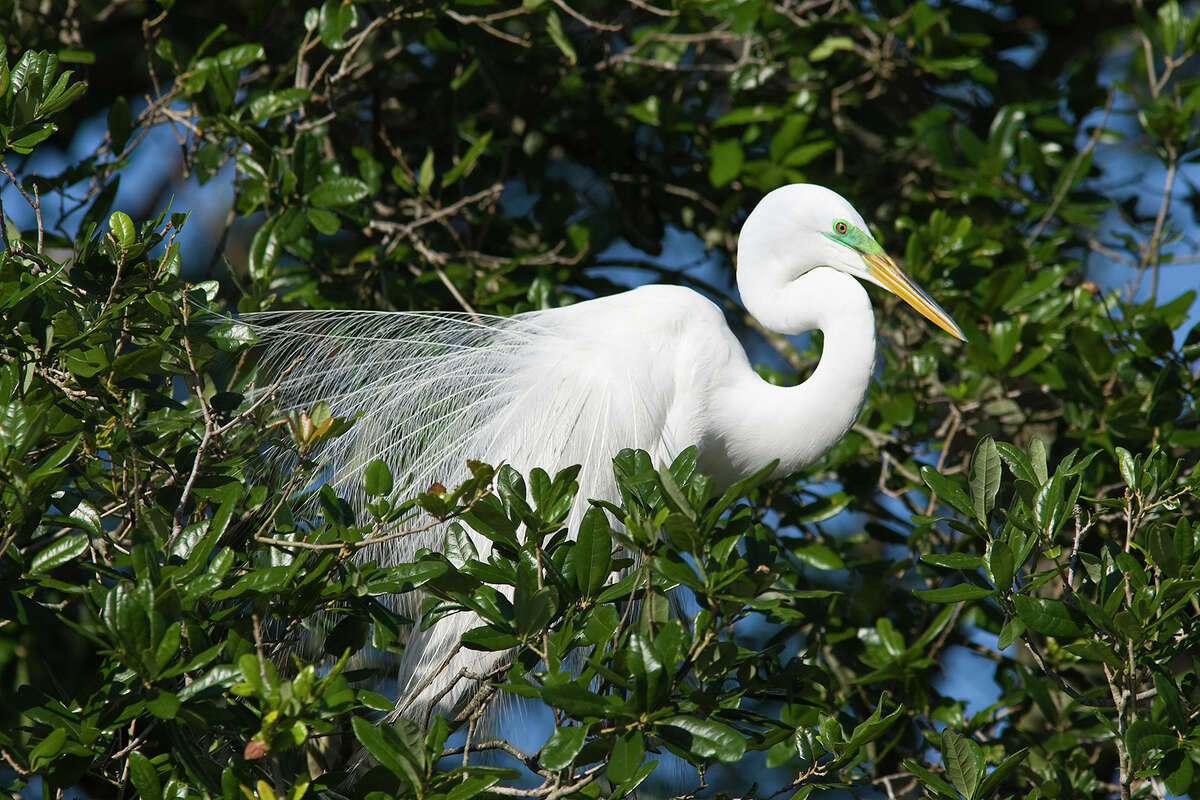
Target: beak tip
{"points": [[888, 275]]}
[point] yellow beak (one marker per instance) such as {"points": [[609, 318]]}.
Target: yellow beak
{"points": [[891, 277]]}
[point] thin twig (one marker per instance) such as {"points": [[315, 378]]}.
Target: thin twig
{"points": [[591, 23], [1079, 534], [1152, 255], [661, 12], [37, 216], [424, 684], [258, 648], [955, 419], [1068, 178], [206, 437], [267, 395], [406, 228], [482, 22], [4, 226], [1071, 691], [349, 546]]}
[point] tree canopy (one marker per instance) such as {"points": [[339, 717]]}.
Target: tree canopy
{"points": [[989, 588]]}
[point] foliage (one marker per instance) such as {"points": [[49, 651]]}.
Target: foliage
{"points": [[177, 621]]}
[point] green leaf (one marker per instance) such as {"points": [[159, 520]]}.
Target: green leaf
{"points": [[120, 124], [930, 780], [26, 137], [703, 738], [377, 479], [829, 46], [948, 491], [726, 162], [561, 748], [1168, 695], [1037, 460], [144, 777], [628, 755], [171, 261], [821, 509], [242, 55], [1144, 736], [1128, 467], [1049, 507], [65, 549], [555, 29], [122, 229], [468, 160], [1095, 651], [590, 560], [471, 787], [674, 495], [387, 749], [984, 478], [1170, 25], [805, 153], [953, 594], [964, 762], [425, 174], [338, 192], [819, 556], [45, 751], [872, 727], [232, 336], [323, 220], [489, 639], [164, 705], [264, 250], [953, 560], [1002, 769], [1000, 564], [577, 701], [646, 111], [64, 93], [1044, 615], [336, 17]]}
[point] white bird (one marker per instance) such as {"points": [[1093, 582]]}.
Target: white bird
{"points": [[654, 368]]}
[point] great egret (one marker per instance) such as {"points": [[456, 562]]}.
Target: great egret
{"points": [[654, 368]]}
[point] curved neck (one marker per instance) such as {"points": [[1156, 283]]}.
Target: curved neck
{"points": [[757, 422]]}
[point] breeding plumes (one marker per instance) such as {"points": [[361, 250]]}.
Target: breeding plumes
{"points": [[654, 368]]}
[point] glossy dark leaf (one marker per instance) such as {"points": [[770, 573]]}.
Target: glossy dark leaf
{"points": [[953, 594], [984, 477], [561, 748], [948, 490], [964, 762], [704, 738], [144, 777], [590, 560], [377, 479], [338, 191], [1051, 617]]}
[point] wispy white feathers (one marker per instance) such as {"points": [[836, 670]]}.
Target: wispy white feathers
{"points": [[424, 389], [428, 391]]}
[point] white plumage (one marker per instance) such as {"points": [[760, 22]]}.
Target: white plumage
{"points": [[654, 368]]}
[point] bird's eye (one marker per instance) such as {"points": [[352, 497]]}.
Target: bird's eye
{"points": [[840, 227]]}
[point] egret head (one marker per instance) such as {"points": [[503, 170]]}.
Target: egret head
{"points": [[800, 227]]}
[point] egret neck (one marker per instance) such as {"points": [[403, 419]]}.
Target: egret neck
{"points": [[757, 422]]}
